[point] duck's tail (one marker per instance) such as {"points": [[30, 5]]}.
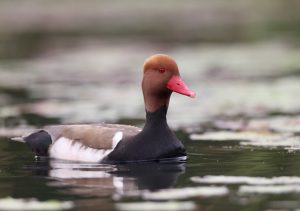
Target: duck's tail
{"points": [[39, 142]]}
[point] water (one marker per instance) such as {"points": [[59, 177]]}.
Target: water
{"points": [[95, 186], [66, 63], [244, 123]]}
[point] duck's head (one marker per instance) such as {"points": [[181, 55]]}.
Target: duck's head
{"points": [[161, 78]]}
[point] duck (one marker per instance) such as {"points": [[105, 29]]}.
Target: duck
{"points": [[117, 143]]}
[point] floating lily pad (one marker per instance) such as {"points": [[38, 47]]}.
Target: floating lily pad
{"points": [[33, 204], [210, 179], [253, 138], [238, 136], [269, 189], [275, 123], [161, 206], [184, 193], [288, 142]]}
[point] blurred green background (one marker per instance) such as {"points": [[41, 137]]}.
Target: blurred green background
{"points": [[67, 60], [30, 27]]}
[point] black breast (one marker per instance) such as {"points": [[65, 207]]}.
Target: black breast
{"points": [[155, 142]]}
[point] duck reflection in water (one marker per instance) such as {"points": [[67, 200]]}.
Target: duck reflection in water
{"points": [[90, 179]]}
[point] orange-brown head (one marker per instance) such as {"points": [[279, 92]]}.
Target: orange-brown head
{"points": [[161, 78]]}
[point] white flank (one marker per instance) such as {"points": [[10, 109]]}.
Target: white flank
{"points": [[67, 149], [246, 180], [117, 138]]}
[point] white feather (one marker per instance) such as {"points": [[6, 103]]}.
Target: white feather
{"points": [[67, 149], [117, 138]]}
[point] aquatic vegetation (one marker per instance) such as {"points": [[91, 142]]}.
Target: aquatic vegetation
{"points": [[260, 185], [33, 204], [185, 193], [161, 206], [220, 179], [272, 189], [279, 123], [238, 136], [252, 138], [75, 86]]}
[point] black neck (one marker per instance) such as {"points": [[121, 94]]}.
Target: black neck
{"points": [[156, 118]]}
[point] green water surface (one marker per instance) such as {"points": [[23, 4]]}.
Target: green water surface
{"points": [[21, 176]]}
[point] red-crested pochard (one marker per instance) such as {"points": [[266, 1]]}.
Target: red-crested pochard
{"points": [[114, 143]]}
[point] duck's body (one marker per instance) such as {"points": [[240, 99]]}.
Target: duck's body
{"points": [[87, 143], [122, 143]]}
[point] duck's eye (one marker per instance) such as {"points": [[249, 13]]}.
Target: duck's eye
{"points": [[162, 70]]}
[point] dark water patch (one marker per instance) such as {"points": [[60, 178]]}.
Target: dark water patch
{"points": [[39, 120], [92, 186], [16, 95], [214, 159], [282, 113], [22, 45], [151, 176], [285, 27], [30, 119]]}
